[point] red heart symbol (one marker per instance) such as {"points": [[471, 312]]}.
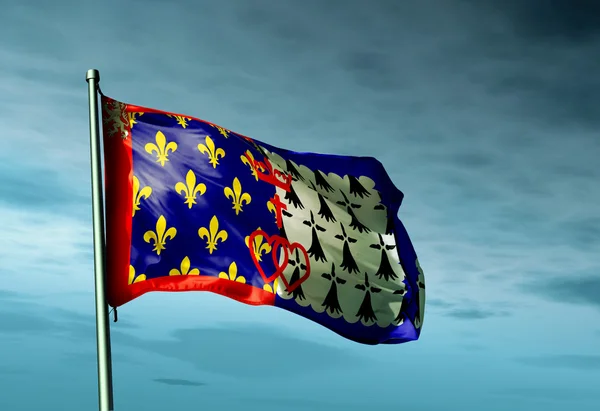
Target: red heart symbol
{"points": [[275, 242], [291, 247]]}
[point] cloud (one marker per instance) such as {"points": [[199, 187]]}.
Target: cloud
{"points": [[474, 313], [484, 120], [568, 20], [56, 245], [436, 302], [464, 310], [577, 362], [248, 349], [179, 382], [553, 394], [38, 189], [583, 289]]}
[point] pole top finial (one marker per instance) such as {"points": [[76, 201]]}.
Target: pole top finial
{"points": [[92, 74]]}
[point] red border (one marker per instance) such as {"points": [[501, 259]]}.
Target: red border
{"points": [[118, 160], [118, 175], [139, 109]]}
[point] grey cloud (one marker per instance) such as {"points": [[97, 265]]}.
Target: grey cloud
{"points": [[37, 188], [473, 159], [575, 362], [474, 313], [278, 22], [464, 310], [436, 302], [371, 69], [582, 232], [571, 288], [179, 382], [568, 20], [19, 322]]}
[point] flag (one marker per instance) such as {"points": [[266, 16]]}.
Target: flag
{"points": [[192, 206]]}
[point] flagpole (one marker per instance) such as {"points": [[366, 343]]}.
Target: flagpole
{"points": [[105, 394]]}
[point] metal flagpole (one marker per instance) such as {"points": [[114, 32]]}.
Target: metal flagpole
{"points": [[105, 394]]}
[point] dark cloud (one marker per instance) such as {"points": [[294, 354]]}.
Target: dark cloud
{"points": [[568, 20], [372, 69], [575, 362], [179, 382], [582, 232], [576, 172], [474, 314], [572, 288], [25, 323], [436, 302], [473, 159], [279, 23]]}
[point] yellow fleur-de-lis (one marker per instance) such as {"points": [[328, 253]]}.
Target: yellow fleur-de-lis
{"points": [[232, 276], [139, 194], [132, 118], [190, 188], [133, 278], [271, 288], [224, 132], [213, 152], [161, 235], [248, 159], [236, 195], [161, 148], [184, 268], [258, 247], [213, 234], [181, 120], [272, 209]]}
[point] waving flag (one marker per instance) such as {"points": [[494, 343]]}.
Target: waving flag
{"points": [[192, 206]]}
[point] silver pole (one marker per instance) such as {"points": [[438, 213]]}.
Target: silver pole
{"points": [[105, 394]]}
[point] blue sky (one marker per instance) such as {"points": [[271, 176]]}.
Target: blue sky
{"points": [[486, 115]]}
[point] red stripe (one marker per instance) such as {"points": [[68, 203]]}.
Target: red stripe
{"points": [[118, 174], [243, 293]]}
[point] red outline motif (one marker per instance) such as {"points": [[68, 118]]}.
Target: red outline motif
{"points": [[276, 241], [279, 205], [274, 177], [282, 180]]}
